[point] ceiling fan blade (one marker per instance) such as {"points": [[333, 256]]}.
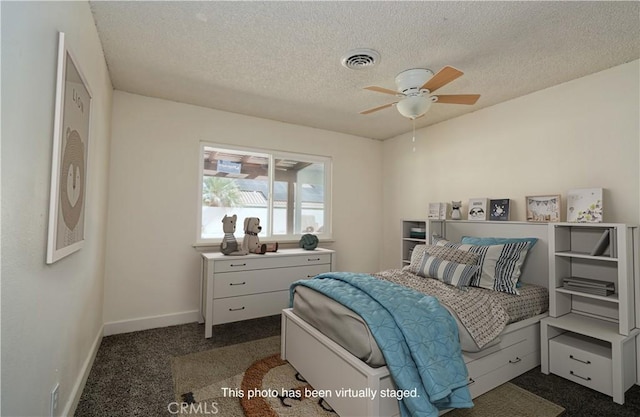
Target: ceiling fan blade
{"points": [[382, 90], [442, 77], [458, 99], [378, 108]]}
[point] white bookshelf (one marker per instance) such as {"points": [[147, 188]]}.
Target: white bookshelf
{"points": [[408, 242], [589, 321]]}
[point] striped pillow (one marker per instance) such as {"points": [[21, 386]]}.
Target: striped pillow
{"points": [[451, 273], [500, 265], [447, 254]]}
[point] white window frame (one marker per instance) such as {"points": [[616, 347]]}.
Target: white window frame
{"points": [[267, 235]]}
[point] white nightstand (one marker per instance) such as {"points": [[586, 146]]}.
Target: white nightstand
{"points": [[590, 337]]}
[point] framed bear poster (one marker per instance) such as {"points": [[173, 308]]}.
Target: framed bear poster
{"points": [[69, 160], [499, 209]]}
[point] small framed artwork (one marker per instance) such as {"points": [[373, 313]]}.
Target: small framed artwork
{"points": [[444, 211], [543, 208], [477, 209], [69, 160], [438, 211], [584, 205], [434, 211], [499, 209]]}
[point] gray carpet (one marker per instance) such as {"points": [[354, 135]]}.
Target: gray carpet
{"points": [[131, 375]]}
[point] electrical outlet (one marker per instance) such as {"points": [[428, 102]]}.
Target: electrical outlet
{"points": [[54, 400]]}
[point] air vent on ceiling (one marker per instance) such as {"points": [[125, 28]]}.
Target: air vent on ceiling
{"points": [[358, 59]]}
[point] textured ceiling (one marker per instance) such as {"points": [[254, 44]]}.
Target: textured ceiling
{"points": [[281, 60]]}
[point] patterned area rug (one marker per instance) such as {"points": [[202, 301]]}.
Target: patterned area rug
{"points": [[250, 380], [509, 400]]}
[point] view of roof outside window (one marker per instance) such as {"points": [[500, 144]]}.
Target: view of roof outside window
{"points": [[237, 182]]}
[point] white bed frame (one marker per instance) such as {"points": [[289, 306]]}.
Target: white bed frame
{"points": [[328, 366]]}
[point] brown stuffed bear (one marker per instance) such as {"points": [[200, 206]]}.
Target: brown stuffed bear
{"points": [[251, 242]]}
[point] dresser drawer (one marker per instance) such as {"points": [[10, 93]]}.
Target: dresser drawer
{"points": [[583, 360], [246, 307], [267, 261], [231, 284]]}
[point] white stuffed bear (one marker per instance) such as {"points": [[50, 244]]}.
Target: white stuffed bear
{"points": [[251, 242]]}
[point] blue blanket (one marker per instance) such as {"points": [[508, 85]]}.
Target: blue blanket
{"points": [[417, 336]]}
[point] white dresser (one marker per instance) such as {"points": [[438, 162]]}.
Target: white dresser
{"points": [[235, 288]]}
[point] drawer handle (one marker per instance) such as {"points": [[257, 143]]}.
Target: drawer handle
{"points": [[236, 309], [239, 264], [516, 360], [579, 360], [237, 283], [471, 381], [581, 377], [313, 259]]}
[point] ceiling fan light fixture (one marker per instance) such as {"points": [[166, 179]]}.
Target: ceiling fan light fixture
{"points": [[413, 107]]}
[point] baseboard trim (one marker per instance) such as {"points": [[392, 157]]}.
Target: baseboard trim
{"points": [[153, 322], [76, 393]]}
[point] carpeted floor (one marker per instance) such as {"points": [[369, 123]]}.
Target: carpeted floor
{"points": [[131, 375]]}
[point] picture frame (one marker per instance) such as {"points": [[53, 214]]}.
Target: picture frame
{"points": [[72, 125], [499, 209], [543, 208], [438, 211], [584, 205], [477, 209], [434, 211]]}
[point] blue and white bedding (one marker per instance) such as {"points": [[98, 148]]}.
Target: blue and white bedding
{"points": [[420, 354]]}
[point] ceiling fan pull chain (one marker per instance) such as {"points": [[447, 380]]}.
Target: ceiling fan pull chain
{"points": [[414, 135]]}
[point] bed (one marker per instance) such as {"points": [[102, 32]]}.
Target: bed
{"points": [[323, 356]]}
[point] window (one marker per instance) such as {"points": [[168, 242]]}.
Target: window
{"points": [[290, 193]]}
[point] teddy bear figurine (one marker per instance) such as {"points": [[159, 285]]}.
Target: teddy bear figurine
{"points": [[229, 245], [251, 242]]}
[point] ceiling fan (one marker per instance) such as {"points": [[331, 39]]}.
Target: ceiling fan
{"points": [[415, 87]]}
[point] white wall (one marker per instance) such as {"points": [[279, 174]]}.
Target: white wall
{"points": [[51, 314], [580, 134], [152, 272]]}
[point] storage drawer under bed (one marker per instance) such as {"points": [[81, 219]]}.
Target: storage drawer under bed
{"points": [[514, 346]]}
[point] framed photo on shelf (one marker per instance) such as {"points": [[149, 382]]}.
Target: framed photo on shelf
{"points": [[499, 209], [543, 208], [438, 211], [71, 129], [584, 205], [477, 209], [434, 211]]}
